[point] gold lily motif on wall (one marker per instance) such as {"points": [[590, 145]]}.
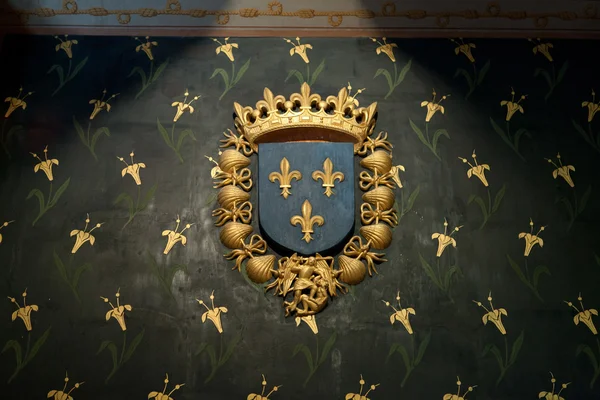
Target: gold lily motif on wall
{"points": [[175, 142], [475, 80], [88, 139], [401, 314], [174, 237], [531, 239], [132, 169], [44, 203], [118, 312], [101, 104], [487, 207], [66, 45], [164, 395], [512, 106], [4, 225], [552, 79], [360, 395], [433, 107], [301, 50], [83, 236], [564, 171], [14, 103], [153, 74], [458, 396], [493, 315], [584, 315], [593, 139], [63, 394], [395, 78], [315, 359], [261, 396], [551, 395], [23, 312], [445, 239], [213, 313], [230, 81]]}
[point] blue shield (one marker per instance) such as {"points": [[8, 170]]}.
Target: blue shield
{"points": [[286, 188]]}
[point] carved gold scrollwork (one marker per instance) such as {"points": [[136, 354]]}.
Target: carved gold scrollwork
{"points": [[367, 180], [242, 178], [368, 215], [242, 213]]}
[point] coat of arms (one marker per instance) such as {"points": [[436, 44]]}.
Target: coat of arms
{"points": [[306, 196]]}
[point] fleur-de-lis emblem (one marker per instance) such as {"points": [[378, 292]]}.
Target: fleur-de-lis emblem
{"points": [[592, 106], [226, 48], [584, 315], [542, 48], [360, 395], [385, 48], [4, 225], [465, 48], [493, 315], [45, 165], [182, 106], [299, 49], [458, 396], [164, 395], [146, 47], [328, 177], [63, 394], [285, 177], [531, 239], [307, 220], [101, 104], [551, 395], [132, 169], [117, 312], [66, 45], [23, 312], [444, 240], [16, 102], [478, 169], [84, 236], [401, 314], [261, 396], [561, 170], [213, 313], [511, 106], [174, 237], [433, 106]]}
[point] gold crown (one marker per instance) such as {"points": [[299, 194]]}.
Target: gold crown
{"points": [[306, 117]]}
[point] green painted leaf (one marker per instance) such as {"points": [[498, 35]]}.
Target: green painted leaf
{"points": [[482, 206], [405, 358], [498, 356], [308, 356], [483, 72], [173, 270], [393, 349], [104, 130], [164, 133], [545, 74], [59, 72], [149, 196], [231, 347], [241, 72], [486, 349], [516, 348], [297, 349], [537, 273], [59, 192], [140, 72], [38, 345], [471, 198], [317, 72], [587, 350], [103, 346], [429, 272], [422, 348], [297, 74], [200, 349], [78, 68], [160, 70], [518, 134], [448, 276], [517, 269], [582, 132], [13, 344], [465, 74], [411, 199], [436, 137], [62, 270], [419, 133], [79, 130], [77, 274], [584, 199], [12, 131], [568, 206], [498, 198], [561, 72], [387, 75], [133, 345], [223, 73], [327, 348], [40, 196], [113, 355], [185, 133], [124, 197], [403, 72], [498, 130]]}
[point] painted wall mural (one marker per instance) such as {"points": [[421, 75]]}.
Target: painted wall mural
{"points": [[114, 271]]}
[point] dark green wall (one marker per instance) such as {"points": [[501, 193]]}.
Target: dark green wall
{"points": [[165, 333]]}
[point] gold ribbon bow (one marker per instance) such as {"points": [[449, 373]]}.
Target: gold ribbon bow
{"points": [[239, 142], [366, 180], [368, 215], [356, 248], [371, 144], [256, 245], [241, 179], [243, 213]]}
